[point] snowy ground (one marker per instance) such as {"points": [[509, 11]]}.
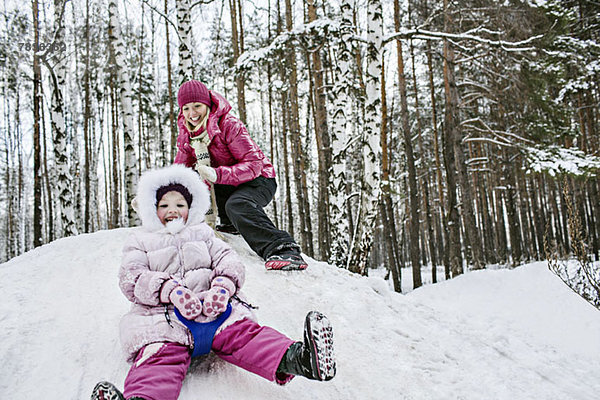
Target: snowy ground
{"points": [[494, 334]]}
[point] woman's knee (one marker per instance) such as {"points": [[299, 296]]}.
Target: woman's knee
{"points": [[236, 205]]}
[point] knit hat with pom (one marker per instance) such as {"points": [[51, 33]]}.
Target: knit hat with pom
{"points": [[193, 92]]}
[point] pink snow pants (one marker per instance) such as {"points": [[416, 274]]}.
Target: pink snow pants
{"points": [[255, 348]]}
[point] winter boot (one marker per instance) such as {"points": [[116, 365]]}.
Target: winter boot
{"points": [[227, 228], [286, 262], [313, 359], [106, 391]]}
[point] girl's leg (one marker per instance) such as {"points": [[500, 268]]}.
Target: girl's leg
{"points": [[158, 372], [258, 349], [245, 210]]}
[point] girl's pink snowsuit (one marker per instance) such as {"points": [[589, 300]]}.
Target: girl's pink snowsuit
{"points": [[193, 255]]}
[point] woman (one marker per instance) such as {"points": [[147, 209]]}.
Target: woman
{"points": [[218, 146]]}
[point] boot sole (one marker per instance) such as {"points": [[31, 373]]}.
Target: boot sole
{"points": [[106, 391], [284, 266], [320, 338]]}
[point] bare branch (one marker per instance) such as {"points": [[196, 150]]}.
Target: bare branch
{"points": [[200, 2]]}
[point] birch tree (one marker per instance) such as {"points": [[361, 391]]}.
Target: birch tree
{"points": [[117, 47], [371, 147], [184, 29], [57, 73], [341, 92]]}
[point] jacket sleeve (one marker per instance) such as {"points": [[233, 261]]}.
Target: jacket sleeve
{"points": [[225, 262], [137, 282], [185, 153], [242, 148]]}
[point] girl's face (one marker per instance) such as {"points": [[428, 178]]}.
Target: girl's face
{"points": [[172, 206], [194, 112]]}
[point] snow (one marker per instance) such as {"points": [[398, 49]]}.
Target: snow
{"points": [[557, 160], [493, 334]]}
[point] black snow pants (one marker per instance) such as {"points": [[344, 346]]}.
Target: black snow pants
{"points": [[242, 206]]}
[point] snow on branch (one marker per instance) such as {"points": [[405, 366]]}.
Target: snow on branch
{"points": [[312, 34], [306, 34], [557, 160], [432, 35], [488, 140]]}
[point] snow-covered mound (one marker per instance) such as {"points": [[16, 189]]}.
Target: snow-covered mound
{"points": [[501, 334]]}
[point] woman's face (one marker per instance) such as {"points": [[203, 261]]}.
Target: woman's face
{"points": [[194, 112], [172, 206]]}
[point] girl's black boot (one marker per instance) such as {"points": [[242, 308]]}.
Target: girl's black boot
{"points": [[314, 358]]}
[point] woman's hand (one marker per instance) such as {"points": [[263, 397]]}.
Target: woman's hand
{"points": [[208, 173]]}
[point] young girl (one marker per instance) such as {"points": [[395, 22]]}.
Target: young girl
{"points": [[218, 146], [184, 285]]}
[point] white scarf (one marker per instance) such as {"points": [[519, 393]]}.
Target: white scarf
{"points": [[200, 145]]}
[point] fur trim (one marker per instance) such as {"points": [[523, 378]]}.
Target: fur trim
{"points": [[152, 180]]}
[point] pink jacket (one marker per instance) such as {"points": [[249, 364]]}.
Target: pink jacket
{"points": [[188, 252], [233, 153]]}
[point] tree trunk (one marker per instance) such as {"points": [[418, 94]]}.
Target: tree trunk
{"points": [[297, 148], [426, 209], [184, 29], [342, 90], [143, 145], [236, 42], [116, 188], [371, 147], [594, 201], [521, 198], [414, 208], [86, 128], [538, 215], [472, 239], [323, 144], [117, 47], [22, 242], [558, 232], [511, 212], [502, 243], [67, 225], [37, 161], [485, 193], [49, 209], [387, 213], [449, 138], [172, 123], [443, 232]]}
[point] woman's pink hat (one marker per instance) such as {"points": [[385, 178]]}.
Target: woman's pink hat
{"points": [[193, 92]]}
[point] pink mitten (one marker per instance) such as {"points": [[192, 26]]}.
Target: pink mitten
{"points": [[215, 301], [217, 297], [186, 301]]}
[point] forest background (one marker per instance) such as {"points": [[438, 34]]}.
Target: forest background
{"points": [[458, 134]]}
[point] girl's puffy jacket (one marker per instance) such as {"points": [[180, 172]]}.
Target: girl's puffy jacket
{"points": [[188, 252], [233, 153]]}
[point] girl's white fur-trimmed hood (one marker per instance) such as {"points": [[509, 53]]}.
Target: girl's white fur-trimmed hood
{"points": [[151, 180]]}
